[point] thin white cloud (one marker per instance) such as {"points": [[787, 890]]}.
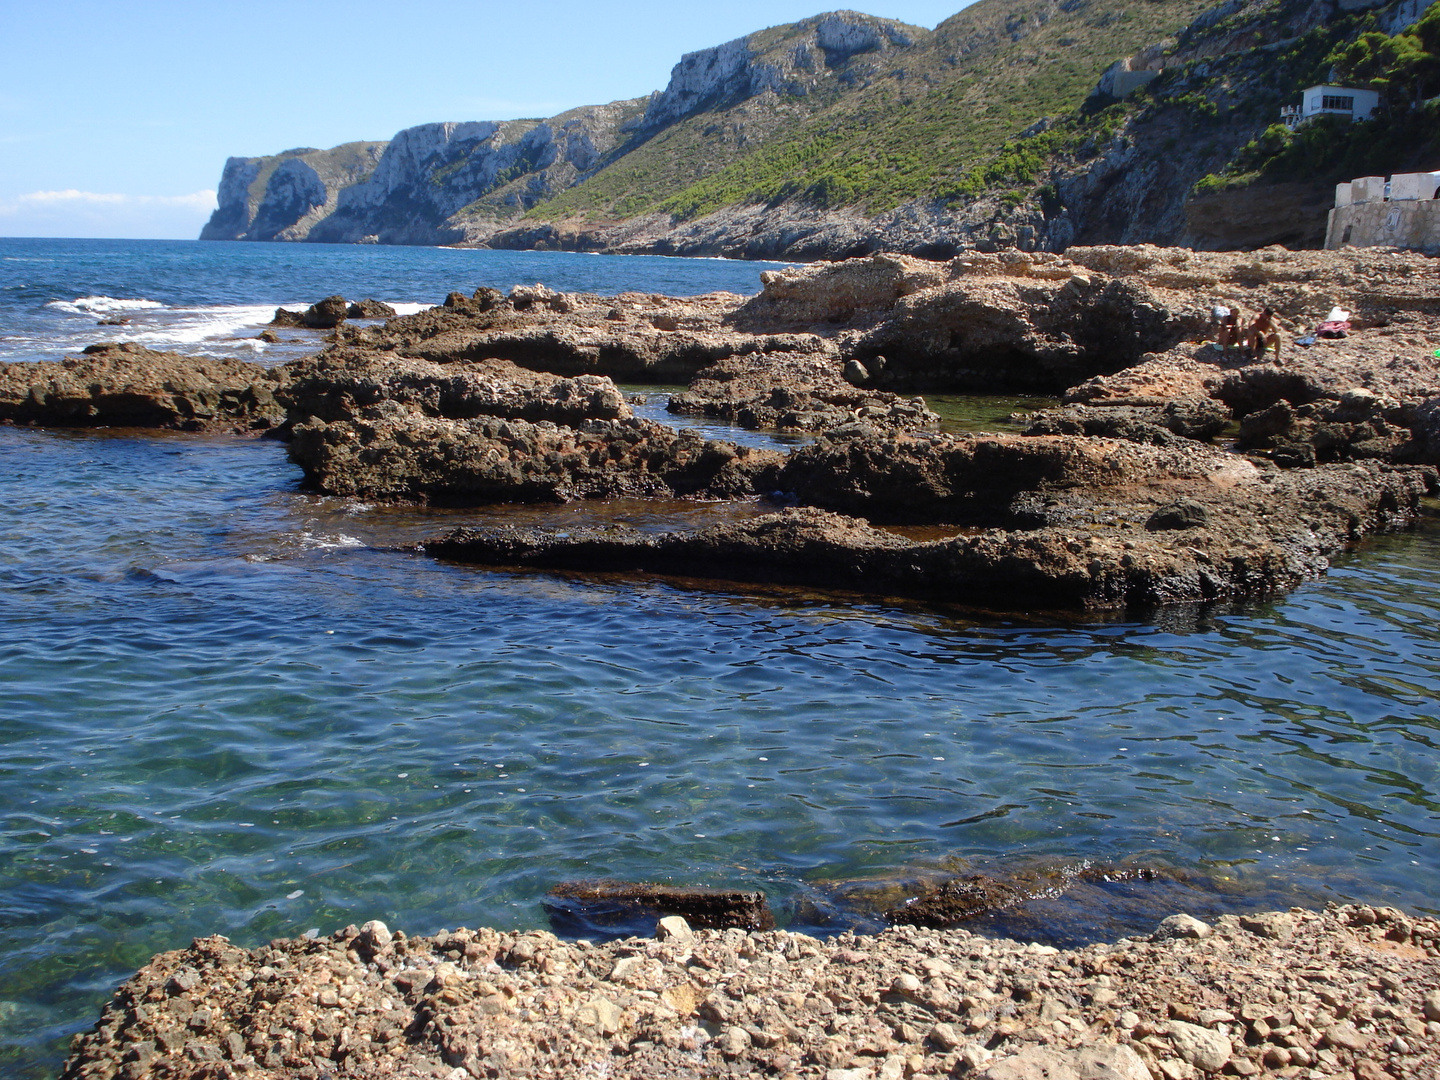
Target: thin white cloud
{"points": [[72, 212], [199, 200]]}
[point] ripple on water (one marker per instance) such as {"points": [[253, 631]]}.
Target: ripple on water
{"points": [[214, 723]]}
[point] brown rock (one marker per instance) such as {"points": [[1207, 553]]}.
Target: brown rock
{"points": [[127, 385], [1345, 1036]]}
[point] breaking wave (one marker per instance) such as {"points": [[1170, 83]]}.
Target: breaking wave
{"points": [[103, 305]]}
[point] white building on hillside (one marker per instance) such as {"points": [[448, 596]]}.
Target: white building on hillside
{"points": [[1331, 101]]}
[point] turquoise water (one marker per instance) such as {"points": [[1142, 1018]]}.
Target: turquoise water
{"points": [[228, 706]]}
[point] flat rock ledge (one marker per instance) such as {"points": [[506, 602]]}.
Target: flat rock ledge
{"points": [[1088, 547], [1348, 993]]}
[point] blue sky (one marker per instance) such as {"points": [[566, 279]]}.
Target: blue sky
{"points": [[116, 117]]}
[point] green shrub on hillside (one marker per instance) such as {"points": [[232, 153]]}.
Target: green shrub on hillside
{"points": [[1402, 67]]}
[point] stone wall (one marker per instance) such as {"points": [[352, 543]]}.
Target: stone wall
{"points": [[1413, 224]]}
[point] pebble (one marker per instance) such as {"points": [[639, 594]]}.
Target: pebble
{"points": [[1201, 1047], [1345, 1036], [674, 928], [1181, 926]]}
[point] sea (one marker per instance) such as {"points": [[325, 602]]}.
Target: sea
{"points": [[232, 706]]}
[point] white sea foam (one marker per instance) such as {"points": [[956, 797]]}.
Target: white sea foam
{"points": [[409, 309], [191, 326], [103, 305], [330, 541]]}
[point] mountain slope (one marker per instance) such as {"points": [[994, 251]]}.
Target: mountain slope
{"points": [[844, 133]]}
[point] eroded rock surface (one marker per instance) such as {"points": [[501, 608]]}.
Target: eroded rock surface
{"points": [[794, 392], [390, 452], [127, 385], [1344, 992], [1118, 497], [339, 383]]}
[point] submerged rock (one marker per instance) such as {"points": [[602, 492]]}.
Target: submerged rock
{"points": [[612, 905]]}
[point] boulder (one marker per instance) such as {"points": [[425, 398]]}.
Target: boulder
{"points": [[323, 315], [370, 309]]}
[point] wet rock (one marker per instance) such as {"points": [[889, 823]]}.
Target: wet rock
{"points": [[610, 903], [288, 319], [389, 452], [1181, 514], [127, 385], [322, 315], [1080, 553]]}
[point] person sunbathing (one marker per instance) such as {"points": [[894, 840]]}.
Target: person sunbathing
{"points": [[1228, 335], [1262, 334]]}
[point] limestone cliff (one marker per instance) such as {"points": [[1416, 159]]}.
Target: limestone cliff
{"points": [[281, 197]]}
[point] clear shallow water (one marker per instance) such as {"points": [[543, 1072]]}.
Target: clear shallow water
{"points": [[226, 706]]}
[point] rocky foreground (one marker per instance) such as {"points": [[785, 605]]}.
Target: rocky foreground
{"points": [[1350, 992]]}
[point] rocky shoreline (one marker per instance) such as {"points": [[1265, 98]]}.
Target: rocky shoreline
{"points": [[1348, 992], [1174, 471]]}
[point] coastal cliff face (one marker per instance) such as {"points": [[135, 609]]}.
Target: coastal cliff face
{"points": [[844, 134], [281, 197]]}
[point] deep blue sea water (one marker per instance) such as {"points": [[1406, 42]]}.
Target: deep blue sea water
{"points": [[230, 706]]}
